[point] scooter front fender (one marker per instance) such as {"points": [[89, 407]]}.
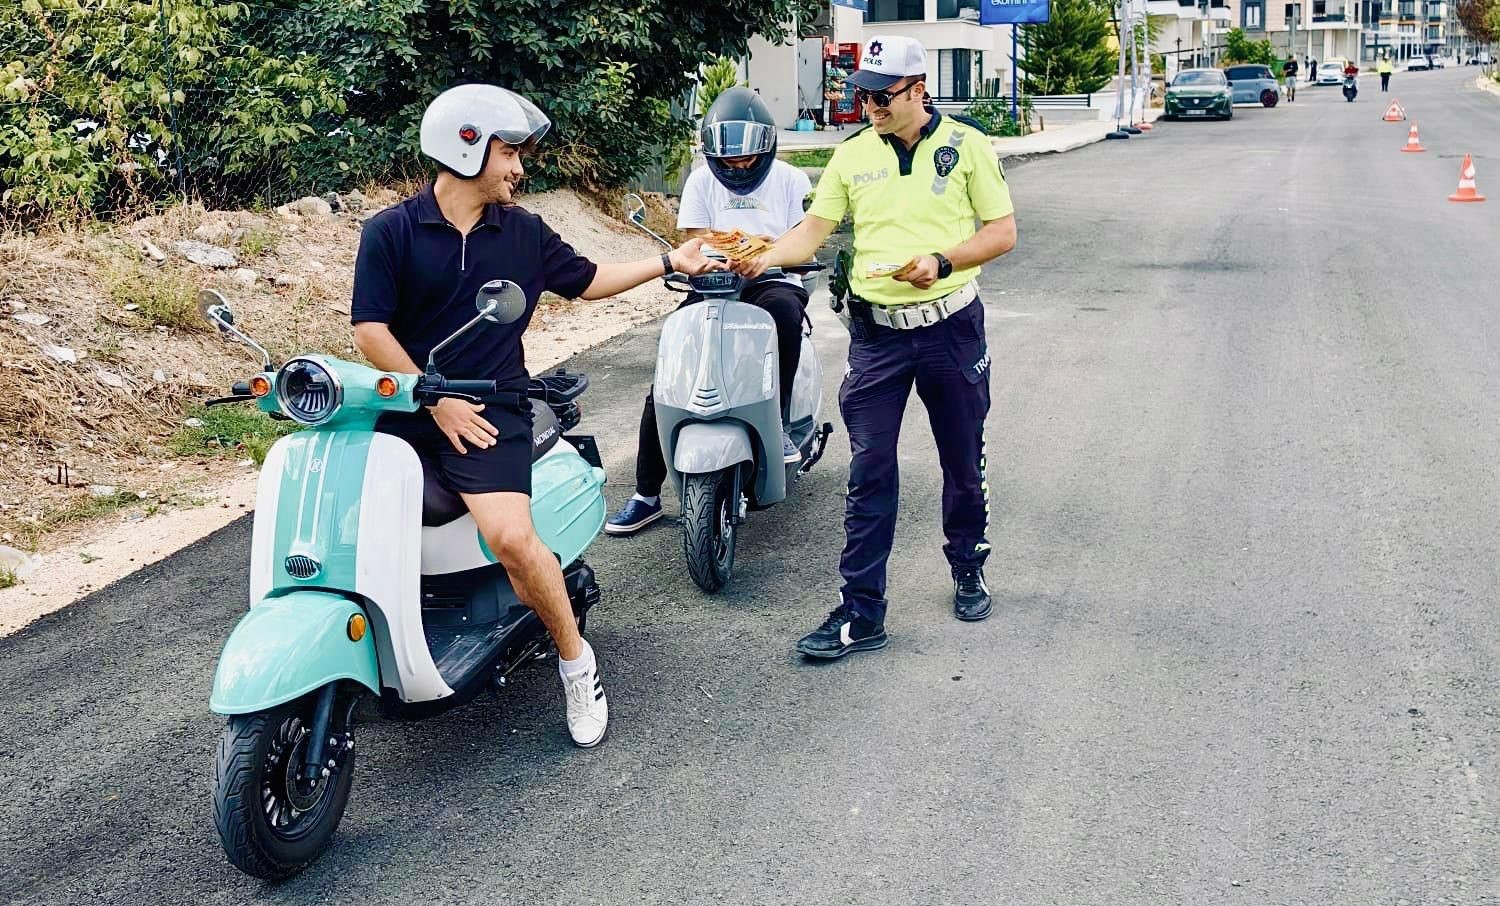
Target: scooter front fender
{"points": [[286, 647], [706, 447]]}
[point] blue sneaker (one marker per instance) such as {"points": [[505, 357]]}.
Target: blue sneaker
{"points": [[633, 516], [789, 451]]}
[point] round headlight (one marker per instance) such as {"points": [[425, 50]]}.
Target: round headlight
{"points": [[308, 391]]}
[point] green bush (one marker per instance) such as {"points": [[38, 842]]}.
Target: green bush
{"points": [[718, 77], [112, 104], [102, 101], [1240, 49], [994, 115]]}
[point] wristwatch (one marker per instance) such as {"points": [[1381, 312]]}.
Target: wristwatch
{"points": [[666, 265], [945, 267]]}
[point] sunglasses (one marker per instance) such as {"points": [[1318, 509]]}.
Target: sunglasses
{"points": [[882, 98]]}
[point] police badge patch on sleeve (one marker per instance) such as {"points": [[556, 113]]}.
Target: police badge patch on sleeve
{"points": [[945, 159]]}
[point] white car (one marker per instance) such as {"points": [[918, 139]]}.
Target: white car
{"points": [[1330, 73]]}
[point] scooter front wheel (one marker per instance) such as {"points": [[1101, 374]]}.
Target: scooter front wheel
{"points": [[708, 529], [272, 823]]}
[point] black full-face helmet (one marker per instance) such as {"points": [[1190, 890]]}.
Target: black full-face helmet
{"points": [[739, 125]]}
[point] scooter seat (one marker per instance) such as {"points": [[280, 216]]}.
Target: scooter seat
{"points": [[441, 505]]}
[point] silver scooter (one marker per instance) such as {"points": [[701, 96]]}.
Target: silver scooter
{"points": [[718, 410]]}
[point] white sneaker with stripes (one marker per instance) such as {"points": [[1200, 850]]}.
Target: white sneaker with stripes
{"points": [[588, 708]]}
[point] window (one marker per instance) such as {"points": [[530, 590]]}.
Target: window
{"points": [[958, 9], [895, 11], [1252, 15]]}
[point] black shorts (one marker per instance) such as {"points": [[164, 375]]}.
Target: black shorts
{"points": [[505, 466]]}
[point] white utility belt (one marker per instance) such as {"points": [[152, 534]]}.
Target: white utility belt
{"points": [[924, 314]]}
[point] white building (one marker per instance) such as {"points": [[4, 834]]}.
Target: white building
{"points": [[965, 59], [1321, 29], [1182, 30]]}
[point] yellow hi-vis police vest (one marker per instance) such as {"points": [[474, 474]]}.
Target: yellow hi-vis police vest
{"points": [[908, 203]]}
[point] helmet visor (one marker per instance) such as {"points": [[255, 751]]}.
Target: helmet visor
{"points": [[737, 138], [520, 121]]}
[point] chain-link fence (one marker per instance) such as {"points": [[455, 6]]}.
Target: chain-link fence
{"points": [[120, 106]]}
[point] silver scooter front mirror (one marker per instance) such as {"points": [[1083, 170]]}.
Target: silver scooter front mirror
{"points": [[501, 302], [215, 309], [635, 212], [498, 301]]}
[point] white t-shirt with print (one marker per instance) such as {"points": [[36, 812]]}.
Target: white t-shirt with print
{"points": [[773, 208]]}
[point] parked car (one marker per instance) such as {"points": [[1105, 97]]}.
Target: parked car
{"points": [[1199, 93], [1253, 84], [1419, 64], [1437, 62], [1482, 58], [1330, 73]]}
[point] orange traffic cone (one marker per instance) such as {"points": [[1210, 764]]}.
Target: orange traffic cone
{"points": [[1467, 190], [1413, 142], [1394, 113]]}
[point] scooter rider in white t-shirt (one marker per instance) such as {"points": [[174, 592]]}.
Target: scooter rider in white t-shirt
{"points": [[744, 187]]}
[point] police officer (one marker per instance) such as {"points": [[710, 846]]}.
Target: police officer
{"points": [[915, 182]]}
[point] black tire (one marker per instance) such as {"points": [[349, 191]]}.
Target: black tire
{"points": [[250, 801], [707, 534], [1268, 98]]}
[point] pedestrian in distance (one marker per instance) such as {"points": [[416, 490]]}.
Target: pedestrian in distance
{"points": [[915, 182], [1289, 71], [1385, 67]]}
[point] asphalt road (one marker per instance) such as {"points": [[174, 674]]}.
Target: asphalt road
{"points": [[1243, 457]]}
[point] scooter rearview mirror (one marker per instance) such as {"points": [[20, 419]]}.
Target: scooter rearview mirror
{"points": [[214, 308], [500, 302], [635, 209], [635, 212]]}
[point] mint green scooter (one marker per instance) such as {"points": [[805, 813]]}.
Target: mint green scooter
{"points": [[369, 579]]}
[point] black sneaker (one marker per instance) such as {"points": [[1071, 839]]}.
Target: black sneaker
{"points": [[971, 597], [842, 633]]}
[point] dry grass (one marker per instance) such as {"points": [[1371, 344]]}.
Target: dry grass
{"points": [[66, 416]]}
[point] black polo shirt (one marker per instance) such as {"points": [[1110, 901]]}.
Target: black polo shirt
{"points": [[417, 273]]}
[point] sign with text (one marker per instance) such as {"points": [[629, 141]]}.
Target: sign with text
{"points": [[1014, 12]]}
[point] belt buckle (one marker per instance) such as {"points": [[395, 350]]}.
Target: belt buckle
{"points": [[931, 314]]}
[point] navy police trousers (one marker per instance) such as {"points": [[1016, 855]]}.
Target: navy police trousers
{"points": [[950, 366]]}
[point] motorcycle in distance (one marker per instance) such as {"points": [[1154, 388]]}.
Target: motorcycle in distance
{"points": [[1351, 88], [718, 410], [369, 581]]}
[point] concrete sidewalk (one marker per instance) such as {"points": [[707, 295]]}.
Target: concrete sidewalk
{"points": [[1048, 141]]}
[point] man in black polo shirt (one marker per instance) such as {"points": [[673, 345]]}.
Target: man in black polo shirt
{"points": [[420, 265]]}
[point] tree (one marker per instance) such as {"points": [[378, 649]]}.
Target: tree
{"points": [[1479, 18], [718, 78], [102, 101], [1240, 49], [606, 72], [1070, 54]]}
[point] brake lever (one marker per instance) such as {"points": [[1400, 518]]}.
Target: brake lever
{"points": [[423, 397], [226, 400]]}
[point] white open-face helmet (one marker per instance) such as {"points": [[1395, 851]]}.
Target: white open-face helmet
{"points": [[459, 123]]}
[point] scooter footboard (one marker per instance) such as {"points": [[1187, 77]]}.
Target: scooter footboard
{"points": [[286, 647]]}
